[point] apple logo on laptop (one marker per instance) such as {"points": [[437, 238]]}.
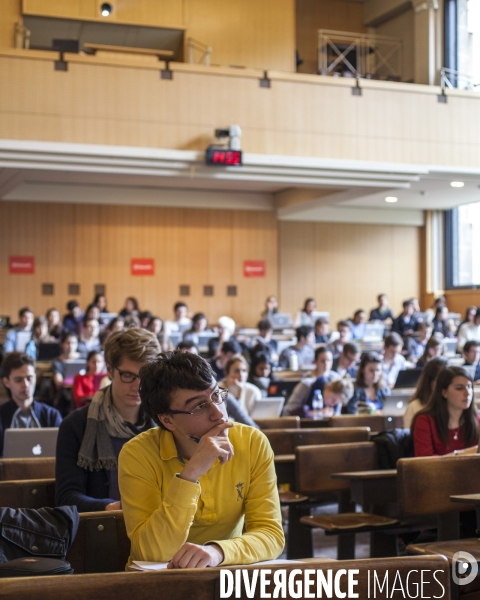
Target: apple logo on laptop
{"points": [[37, 450], [400, 404]]}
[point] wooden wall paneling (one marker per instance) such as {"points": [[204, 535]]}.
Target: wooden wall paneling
{"points": [[312, 15], [11, 14]]}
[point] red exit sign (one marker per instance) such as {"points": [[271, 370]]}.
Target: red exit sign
{"points": [[220, 156], [142, 266], [21, 265]]}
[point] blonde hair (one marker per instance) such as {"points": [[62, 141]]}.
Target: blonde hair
{"points": [[341, 387], [233, 360], [136, 344]]}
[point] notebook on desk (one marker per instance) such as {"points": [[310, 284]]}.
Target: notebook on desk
{"points": [[267, 408], [30, 443]]}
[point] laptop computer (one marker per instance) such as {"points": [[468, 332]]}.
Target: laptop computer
{"points": [[470, 369], [267, 408], [319, 314], [72, 368], [281, 388], [373, 332], [396, 404], [48, 351], [30, 443], [175, 337], [281, 320], [408, 378]]}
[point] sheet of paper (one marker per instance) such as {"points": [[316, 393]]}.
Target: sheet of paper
{"points": [[144, 565]]}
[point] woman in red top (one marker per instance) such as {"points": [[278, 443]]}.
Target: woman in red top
{"points": [[449, 421], [84, 385]]}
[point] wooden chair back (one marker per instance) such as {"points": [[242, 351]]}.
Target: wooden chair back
{"points": [[375, 422], [426, 484], [284, 441], [279, 423], [315, 464], [101, 544], [27, 468], [27, 493], [204, 584]]}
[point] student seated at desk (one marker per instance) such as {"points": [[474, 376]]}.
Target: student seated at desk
{"points": [[393, 361], [21, 411], [433, 348], [322, 331], [345, 335], [471, 353], [261, 372], [382, 312], [469, 331], [197, 491], [236, 375], [17, 337], [130, 308], [90, 338], [72, 320], [415, 346], [226, 330], [346, 363], [300, 401], [84, 385], [424, 389], [357, 324], [40, 335], [90, 438], [371, 388], [405, 323], [271, 308], [303, 350], [227, 351], [264, 342], [449, 422], [336, 395], [305, 316], [199, 325], [53, 322]]}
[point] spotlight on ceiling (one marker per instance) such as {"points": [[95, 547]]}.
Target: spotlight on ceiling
{"points": [[106, 9], [457, 183], [391, 199]]}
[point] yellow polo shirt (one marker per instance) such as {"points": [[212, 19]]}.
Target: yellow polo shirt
{"points": [[162, 511]]}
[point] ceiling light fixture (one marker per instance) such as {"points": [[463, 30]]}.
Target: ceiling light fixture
{"points": [[457, 184], [106, 9], [391, 199]]}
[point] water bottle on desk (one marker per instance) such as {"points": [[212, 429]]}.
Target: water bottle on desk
{"points": [[317, 404]]}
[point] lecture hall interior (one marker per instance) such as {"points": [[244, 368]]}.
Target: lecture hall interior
{"points": [[219, 153]]}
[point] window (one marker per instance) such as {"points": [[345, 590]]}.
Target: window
{"points": [[463, 246]]}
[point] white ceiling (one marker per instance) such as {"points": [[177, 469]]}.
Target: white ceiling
{"points": [[297, 188]]}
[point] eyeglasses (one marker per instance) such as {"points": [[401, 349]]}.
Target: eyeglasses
{"points": [[126, 376], [218, 397]]}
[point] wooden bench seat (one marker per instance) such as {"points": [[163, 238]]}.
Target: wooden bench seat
{"points": [[284, 441], [27, 468], [279, 423], [27, 493]]}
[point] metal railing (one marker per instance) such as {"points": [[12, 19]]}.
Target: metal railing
{"points": [[198, 52], [361, 55], [449, 78]]}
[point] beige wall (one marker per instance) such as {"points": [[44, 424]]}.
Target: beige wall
{"points": [[402, 27], [91, 245], [298, 115], [344, 267], [247, 33], [312, 15]]}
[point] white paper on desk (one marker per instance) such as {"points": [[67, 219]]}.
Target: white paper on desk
{"points": [[145, 565], [278, 561]]}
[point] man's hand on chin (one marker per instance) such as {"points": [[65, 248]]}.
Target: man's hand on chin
{"points": [[192, 556]]}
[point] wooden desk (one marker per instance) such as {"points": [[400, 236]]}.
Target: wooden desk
{"points": [[129, 50], [473, 499], [306, 423], [285, 469], [375, 491]]}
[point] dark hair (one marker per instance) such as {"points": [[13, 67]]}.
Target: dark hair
{"points": [[264, 325], [467, 311], [197, 318], [178, 305], [306, 302], [97, 298], [231, 346], [16, 360], [321, 321], [113, 322], [393, 340], [351, 348], [437, 408], [186, 345], [93, 353], [430, 372], [470, 344], [303, 331], [71, 304], [433, 342], [367, 358], [232, 361], [134, 301], [407, 303], [169, 372], [439, 309], [67, 334], [90, 306], [322, 350], [24, 310], [381, 296], [145, 314], [358, 312], [344, 323]]}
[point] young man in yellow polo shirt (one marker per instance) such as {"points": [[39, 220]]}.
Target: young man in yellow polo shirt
{"points": [[197, 491]]}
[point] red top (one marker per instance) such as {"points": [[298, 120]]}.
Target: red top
{"points": [[427, 442], [83, 388]]}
